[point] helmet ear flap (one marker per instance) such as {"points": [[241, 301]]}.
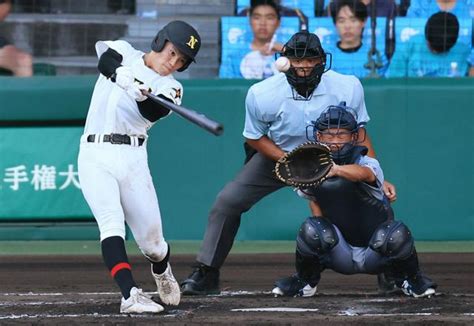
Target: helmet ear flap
{"points": [[159, 41], [185, 66]]}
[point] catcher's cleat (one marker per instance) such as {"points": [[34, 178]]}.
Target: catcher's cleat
{"points": [[294, 286], [419, 286], [203, 280], [138, 303], [167, 287]]}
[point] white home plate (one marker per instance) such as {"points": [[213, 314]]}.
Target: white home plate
{"points": [[277, 309]]}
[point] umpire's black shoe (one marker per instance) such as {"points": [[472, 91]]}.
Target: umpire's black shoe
{"points": [[203, 280]]}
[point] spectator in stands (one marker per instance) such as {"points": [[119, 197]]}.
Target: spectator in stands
{"points": [[12, 59], [463, 9], [438, 54], [284, 11], [259, 63], [384, 8], [350, 54]]}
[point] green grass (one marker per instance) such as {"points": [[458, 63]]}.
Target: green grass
{"points": [[192, 247]]}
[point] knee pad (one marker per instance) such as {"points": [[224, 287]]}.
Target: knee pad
{"points": [[317, 235], [392, 239]]}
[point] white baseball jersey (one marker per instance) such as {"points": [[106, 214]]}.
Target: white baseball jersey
{"points": [[115, 178], [111, 109]]}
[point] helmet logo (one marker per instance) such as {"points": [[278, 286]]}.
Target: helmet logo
{"points": [[192, 42]]}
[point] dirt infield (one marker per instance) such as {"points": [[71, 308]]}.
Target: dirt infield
{"points": [[77, 291]]}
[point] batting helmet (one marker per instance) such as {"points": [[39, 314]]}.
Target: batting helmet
{"points": [[183, 36], [305, 45]]}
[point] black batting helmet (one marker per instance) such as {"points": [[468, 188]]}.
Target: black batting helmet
{"points": [[305, 45], [183, 36]]}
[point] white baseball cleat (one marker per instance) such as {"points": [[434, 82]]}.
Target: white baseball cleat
{"points": [[167, 287], [139, 302]]}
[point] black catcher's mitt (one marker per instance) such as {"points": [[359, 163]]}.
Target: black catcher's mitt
{"points": [[305, 166]]}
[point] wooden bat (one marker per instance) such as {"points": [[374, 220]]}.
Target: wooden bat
{"points": [[197, 118]]}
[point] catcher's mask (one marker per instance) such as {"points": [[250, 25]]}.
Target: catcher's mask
{"points": [[336, 121], [305, 45], [183, 36]]}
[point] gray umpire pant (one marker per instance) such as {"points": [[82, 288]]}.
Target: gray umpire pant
{"points": [[255, 181]]}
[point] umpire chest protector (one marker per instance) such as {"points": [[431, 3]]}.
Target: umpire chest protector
{"points": [[350, 207]]}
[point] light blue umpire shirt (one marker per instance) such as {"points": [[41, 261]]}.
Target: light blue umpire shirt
{"points": [[272, 111]]}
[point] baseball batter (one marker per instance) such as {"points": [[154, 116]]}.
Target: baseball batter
{"points": [[277, 110], [113, 163], [352, 229]]}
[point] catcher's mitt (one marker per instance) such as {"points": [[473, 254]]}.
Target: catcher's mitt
{"points": [[305, 166]]}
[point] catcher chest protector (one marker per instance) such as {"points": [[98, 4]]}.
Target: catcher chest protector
{"points": [[349, 206], [305, 45], [183, 36]]}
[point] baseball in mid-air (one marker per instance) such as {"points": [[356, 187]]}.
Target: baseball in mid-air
{"points": [[282, 64]]}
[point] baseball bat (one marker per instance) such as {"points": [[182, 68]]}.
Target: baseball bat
{"points": [[197, 118]]}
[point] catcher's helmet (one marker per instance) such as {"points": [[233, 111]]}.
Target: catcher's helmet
{"points": [[343, 119], [183, 36], [337, 117], [302, 45]]}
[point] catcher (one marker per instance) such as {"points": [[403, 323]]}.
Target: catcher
{"points": [[352, 229]]}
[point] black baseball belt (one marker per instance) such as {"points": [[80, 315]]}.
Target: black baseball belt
{"points": [[116, 139]]}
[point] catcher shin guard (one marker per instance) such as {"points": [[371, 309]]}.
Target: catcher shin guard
{"points": [[308, 268], [317, 236], [115, 258], [393, 239]]}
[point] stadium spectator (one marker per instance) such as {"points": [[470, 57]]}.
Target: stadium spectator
{"points": [[350, 54], [285, 11], [438, 54], [12, 59], [258, 60], [463, 9], [385, 8]]}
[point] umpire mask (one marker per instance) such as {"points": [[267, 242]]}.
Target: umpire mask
{"points": [[300, 46]]}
